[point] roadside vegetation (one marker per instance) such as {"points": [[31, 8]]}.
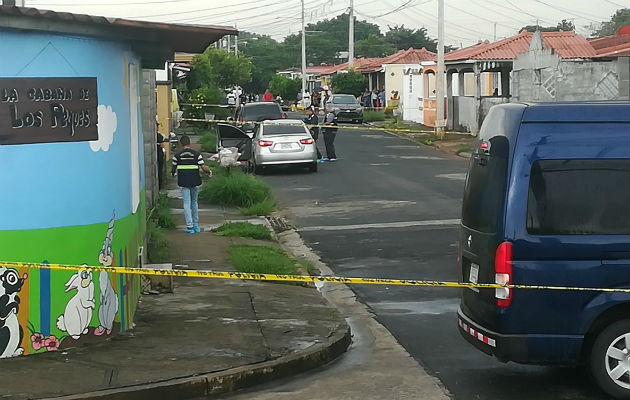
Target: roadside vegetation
{"points": [[372, 115], [208, 141], [244, 229], [159, 219], [234, 188], [268, 260]]}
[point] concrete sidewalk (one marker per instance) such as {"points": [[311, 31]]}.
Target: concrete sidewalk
{"points": [[208, 337]]}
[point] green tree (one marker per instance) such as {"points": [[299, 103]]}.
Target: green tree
{"points": [[268, 56], [562, 26], [620, 18], [285, 87], [219, 68], [403, 38], [325, 39], [351, 82], [373, 46]]}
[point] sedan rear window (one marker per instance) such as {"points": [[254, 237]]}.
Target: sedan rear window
{"points": [[344, 100], [261, 112], [274, 130]]}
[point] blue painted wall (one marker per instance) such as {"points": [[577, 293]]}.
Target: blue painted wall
{"points": [[67, 184]]}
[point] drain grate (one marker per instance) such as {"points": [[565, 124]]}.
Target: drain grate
{"points": [[279, 224]]}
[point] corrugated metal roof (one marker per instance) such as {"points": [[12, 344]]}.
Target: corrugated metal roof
{"points": [[409, 56], [180, 37], [612, 46], [565, 44]]}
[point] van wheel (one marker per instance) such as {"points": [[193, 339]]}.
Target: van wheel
{"points": [[610, 359]]}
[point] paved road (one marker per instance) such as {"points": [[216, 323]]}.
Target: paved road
{"points": [[367, 216]]}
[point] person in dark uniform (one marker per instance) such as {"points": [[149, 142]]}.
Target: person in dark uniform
{"points": [[329, 136], [311, 122], [161, 158], [187, 163]]}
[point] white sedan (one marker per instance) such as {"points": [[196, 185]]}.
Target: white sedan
{"points": [[283, 142]]}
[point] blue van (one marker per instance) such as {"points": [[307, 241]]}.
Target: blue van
{"points": [[547, 202]]}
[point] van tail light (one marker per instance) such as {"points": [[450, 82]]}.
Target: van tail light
{"points": [[503, 274], [240, 119], [307, 141], [265, 143]]}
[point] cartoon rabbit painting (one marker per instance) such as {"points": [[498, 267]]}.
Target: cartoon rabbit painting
{"points": [[109, 301], [78, 313]]}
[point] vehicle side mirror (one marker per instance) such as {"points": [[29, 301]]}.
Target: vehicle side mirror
{"points": [[284, 115], [230, 119]]}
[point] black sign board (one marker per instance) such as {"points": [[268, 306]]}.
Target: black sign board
{"points": [[44, 110]]}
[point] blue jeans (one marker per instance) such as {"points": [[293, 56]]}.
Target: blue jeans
{"points": [[189, 194]]}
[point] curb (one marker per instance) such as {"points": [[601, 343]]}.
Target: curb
{"points": [[217, 383]]}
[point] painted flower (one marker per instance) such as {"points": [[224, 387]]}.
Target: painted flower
{"points": [[51, 343], [37, 339]]}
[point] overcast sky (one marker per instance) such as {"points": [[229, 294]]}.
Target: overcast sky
{"points": [[466, 21]]}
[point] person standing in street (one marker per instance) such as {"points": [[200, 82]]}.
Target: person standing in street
{"points": [[268, 96], [187, 163], [329, 136], [311, 122]]}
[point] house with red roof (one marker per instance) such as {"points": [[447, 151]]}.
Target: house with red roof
{"points": [[539, 66]]}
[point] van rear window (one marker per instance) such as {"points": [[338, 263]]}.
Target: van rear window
{"points": [[485, 187], [579, 197]]}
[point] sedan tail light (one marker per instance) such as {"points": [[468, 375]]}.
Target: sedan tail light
{"points": [[265, 143], [307, 141], [503, 274]]}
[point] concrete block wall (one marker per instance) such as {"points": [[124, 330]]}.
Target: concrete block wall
{"points": [[149, 128]]}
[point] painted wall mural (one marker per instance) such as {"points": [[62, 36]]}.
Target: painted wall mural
{"points": [[83, 205]]}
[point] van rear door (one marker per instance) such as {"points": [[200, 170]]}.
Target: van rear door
{"points": [[482, 226]]}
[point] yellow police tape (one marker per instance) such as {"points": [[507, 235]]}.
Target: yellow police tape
{"points": [[351, 127], [295, 278]]}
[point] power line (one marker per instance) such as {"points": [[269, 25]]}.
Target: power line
{"points": [[106, 4], [205, 9], [570, 12]]}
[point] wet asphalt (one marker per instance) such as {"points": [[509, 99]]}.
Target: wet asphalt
{"points": [[396, 186]]}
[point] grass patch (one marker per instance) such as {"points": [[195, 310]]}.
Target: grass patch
{"points": [[262, 260], [464, 149], [397, 123], [371, 115], [161, 214], [308, 266], [262, 208], [208, 141], [235, 189], [158, 249], [244, 229]]}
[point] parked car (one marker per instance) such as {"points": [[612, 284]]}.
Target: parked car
{"points": [[547, 202], [283, 142], [345, 107], [259, 111]]}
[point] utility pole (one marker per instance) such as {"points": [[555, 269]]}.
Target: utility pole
{"points": [[351, 37], [495, 31], [236, 43], [439, 76], [303, 57]]}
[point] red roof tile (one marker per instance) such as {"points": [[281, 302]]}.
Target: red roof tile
{"points": [[409, 56], [612, 46], [565, 44]]}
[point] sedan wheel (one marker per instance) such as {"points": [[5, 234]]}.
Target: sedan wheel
{"points": [[610, 359]]}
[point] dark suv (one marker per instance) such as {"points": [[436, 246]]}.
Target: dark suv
{"points": [[256, 112], [345, 107], [547, 202]]}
